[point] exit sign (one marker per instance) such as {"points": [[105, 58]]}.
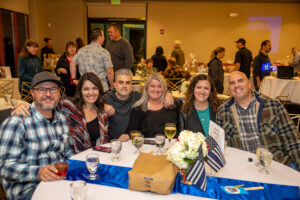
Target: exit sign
{"points": [[115, 2]]}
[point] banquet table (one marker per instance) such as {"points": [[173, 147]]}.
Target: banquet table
{"points": [[237, 167], [273, 87], [16, 93]]}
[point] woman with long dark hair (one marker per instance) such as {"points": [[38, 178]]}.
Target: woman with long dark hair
{"points": [[200, 106]]}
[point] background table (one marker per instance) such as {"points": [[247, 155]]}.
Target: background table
{"points": [[237, 167], [273, 87]]}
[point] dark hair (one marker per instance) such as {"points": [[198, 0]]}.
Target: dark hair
{"points": [[159, 50], [115, 25], [215, 52], [264, 43], [70, 43], [190, 97], [78, 99], [95, 33], [28, 43], [79, 42], [47, 39]]}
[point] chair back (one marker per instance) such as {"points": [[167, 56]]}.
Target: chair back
{"points": [[282, 99], [174, 83], [6, 87], [25, 92]]}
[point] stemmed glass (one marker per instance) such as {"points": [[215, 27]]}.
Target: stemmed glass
{"points": [[265, 159], [116, 147], [170, 131], [134, 134], [92, 162], [78, 190], [160, 143], [258, 150], [138, 142]]}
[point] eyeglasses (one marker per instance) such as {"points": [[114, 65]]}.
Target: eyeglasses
{"points": [[43, 90]]}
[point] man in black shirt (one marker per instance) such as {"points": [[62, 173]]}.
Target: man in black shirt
{"points": [[262, 64], [243, 57]]}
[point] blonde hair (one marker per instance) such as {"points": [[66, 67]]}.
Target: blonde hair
{"points": [[145, 96]]}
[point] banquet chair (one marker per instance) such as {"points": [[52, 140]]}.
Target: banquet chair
{"points": [[174, 83], [25, 92], [282, 99], [6, 87], [296, 120]]}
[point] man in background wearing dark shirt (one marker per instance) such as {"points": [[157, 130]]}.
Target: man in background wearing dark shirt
{"points": [[262, 64], [119, 48], [243, 57]]}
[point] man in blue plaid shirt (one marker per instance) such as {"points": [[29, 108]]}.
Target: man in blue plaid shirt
{"points": [[29, 146], [252, 120]]}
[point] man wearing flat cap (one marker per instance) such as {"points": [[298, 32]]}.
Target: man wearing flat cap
{"points": [[29, 146], [243, 57]]}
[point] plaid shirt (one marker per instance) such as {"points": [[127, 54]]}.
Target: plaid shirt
{"points": [[248, 126], [277, 131], [27, 144], [94, 58], [176, 72]]}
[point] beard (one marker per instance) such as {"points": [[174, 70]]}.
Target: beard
{"points": [[46, 107]]}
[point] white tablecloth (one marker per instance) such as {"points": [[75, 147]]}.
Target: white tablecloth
{"points": [[16, 93], [237, 167], [273, 87]]}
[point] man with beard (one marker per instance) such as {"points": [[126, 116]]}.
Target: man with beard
{"points": [[122, 99], [29, 146], [262, 64], [252, 120]]}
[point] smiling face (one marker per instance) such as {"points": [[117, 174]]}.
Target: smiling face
{"points": [[71, 50], [89, 92], [32, 49], [202, 91], [123, 87], [155, 90], [239, 86]]}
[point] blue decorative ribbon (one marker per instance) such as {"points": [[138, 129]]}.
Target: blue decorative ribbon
{"points": [[116, 176]]}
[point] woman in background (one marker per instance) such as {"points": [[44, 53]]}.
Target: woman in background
{"points": [[200, 105], [63, 68], [29, 63], [79, 42], [215, 69], [47, 49], [159, 60]]}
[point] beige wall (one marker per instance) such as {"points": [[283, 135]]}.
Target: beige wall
{"points": [[203, 26], [20, 6]]}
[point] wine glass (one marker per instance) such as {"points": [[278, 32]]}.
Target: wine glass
{"points": [[160, 143], [258, 150], [134, 134], [62, 168], [170, 131], [78, 190], [92, 162], [116, 147], [265, 159], [138, 142]]}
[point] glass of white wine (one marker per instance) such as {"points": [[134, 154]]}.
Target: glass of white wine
{"points": [[170, 131], [265, 159]]}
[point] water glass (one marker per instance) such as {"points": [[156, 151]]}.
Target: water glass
{"points": [[258, 150], [116, 147], [92, 162], [62, 168], [138, 142], [78, 190], [160, 143], [265, 159]]}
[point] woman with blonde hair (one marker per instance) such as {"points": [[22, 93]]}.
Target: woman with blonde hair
{"points": [[215, 69], [149, 114], [200, 105]]}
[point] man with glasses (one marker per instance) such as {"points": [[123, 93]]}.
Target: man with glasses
{"points": [[29, 146]]}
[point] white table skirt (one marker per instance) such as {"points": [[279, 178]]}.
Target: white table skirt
{"points": [[273, 87], [237, 167]]}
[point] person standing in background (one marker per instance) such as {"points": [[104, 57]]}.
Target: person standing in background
{"points": [[243, 57], [215, 69], [178, 53], [47, 49], [29, 64], [262, 64], [296, 60], [120, 50], [159, 60], [79, 42]]}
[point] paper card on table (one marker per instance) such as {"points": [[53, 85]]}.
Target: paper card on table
{"points": [[217, 133]]}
